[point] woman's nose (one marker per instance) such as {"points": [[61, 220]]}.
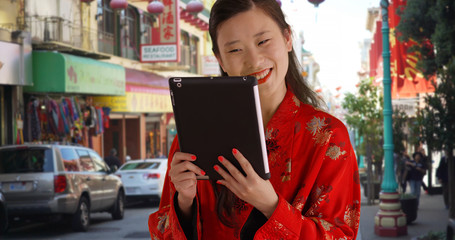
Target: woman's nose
{"points": [[253, 59]]}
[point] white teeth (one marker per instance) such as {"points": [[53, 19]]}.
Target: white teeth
{"points": [[262, 74]]}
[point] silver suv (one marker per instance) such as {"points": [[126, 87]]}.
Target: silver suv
{"points": [[64, 180]]}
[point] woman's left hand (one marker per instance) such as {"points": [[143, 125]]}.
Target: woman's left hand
{"points": [[252, 188]]}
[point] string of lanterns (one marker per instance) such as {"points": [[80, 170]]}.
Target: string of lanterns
{"points": [[155, 6]]}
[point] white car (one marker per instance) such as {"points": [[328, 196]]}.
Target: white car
{"points": [[143, 179]]}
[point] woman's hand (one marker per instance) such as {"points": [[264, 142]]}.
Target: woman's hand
{"points": [[183, 175], [252, 188]]}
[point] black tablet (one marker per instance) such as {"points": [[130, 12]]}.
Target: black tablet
{"points": [[213, 115]]}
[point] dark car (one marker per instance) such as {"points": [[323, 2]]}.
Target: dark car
{"points": [[58, 180], [3, 214]]}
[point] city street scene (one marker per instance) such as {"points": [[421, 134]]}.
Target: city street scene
{"points": [[87, 119]]}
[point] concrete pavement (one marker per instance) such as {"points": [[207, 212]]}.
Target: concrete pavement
{"points": [[431, 216]]}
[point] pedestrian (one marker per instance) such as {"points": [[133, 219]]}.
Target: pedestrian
{"points": [[417, 169], [405, 172], [314, 190], [442, 174], [112, 160]]}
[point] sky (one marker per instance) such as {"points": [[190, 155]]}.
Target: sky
{"points": [[333, 33]]}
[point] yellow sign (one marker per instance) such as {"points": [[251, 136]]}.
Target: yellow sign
{"points": [[136, 102]]}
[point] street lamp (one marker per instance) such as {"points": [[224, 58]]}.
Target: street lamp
{"points": [[390, 221]]}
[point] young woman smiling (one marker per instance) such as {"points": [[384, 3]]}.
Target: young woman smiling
{"points": [[313, 192]]}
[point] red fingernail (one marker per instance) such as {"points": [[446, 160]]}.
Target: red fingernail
{"points": [[202, 172], [193, 157], [216, 168], [220, 158], [218, 182], [234, 151]]}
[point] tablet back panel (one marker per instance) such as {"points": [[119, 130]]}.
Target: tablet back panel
{"points": [[213, 115]]}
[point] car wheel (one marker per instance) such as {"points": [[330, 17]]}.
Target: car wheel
{"points": [[119, 206], [81, 219]]}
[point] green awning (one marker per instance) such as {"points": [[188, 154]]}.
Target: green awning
{"points": [[55, 72]]}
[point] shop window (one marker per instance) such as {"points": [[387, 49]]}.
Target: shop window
{"points": [[129, 39], [106, 27]]}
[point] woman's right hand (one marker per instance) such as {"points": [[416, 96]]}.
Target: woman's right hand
{"points": [[183, 174]]}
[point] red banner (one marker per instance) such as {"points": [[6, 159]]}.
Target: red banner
{"points": [[407, 81]]}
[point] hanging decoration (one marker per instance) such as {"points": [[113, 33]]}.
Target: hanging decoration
{"points": [[316, 2], [118, 4], [194, 6], [279, 2], [155, 7]]}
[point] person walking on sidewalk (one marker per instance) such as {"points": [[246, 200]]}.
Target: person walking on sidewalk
{"points": [[442, 174], [416, 170]]}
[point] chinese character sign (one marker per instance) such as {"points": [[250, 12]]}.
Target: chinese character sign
{"points": [[169, 30]]}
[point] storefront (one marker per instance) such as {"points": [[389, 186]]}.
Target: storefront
{"points": [[60, 104], [15, 72], [140, 116]]}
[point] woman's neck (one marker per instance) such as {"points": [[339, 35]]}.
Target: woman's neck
{"points": [[270, 101]]}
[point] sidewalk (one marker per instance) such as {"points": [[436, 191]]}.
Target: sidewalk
{"points": [[431, 216]]}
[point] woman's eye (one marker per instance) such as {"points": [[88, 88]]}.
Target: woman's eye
{"points": [[234, 50], [263, 41]]}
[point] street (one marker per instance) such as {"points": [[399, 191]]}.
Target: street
{"points": [[133, 226]]}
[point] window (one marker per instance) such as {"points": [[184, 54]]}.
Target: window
{"points": [[100, 166], [86, 162], [70, 160], [106, 27], [146, 28], [129, 34], [28, 160], [141, 165]]}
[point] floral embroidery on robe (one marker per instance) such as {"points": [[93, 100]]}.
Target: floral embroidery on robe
{"points": [[313, 170]]}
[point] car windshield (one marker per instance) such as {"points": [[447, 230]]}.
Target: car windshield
{"points": [[140, 165], [27, 160]]}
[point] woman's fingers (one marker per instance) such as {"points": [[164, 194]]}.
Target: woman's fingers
{"points": [[182, 162]]}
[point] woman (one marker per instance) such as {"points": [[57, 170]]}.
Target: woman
{"points": [[313, 192]]}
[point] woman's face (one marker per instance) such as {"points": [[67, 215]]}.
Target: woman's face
{"points": [[251, 43]]}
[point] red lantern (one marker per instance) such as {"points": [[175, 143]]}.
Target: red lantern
{"points": [[155, 7], [119, 4], [194, 6], [316, 2]]}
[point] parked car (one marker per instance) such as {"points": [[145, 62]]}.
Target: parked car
{"points": [[64, 180], [143, 179], [3, 214]]}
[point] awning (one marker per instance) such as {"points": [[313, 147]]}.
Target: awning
{"points": [[146, 92], [62, 73]]}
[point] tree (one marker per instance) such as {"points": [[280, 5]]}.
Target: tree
{"points": [[431, 24], [364, 114]]}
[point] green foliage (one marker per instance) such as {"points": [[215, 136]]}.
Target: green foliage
{"points": [[364, 113], [399, 123], [434, 20], [432, 235]]}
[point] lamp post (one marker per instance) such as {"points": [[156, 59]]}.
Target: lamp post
{"points": [[390, 220]]}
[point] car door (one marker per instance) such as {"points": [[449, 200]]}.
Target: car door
{"points": [[109, 182], [91, 178]]}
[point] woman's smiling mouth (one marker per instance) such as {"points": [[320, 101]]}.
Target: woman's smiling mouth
{"points": [[262, 76]]}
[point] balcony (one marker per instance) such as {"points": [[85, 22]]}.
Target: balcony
{"points": [[57, 34]]}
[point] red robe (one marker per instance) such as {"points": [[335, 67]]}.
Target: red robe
{"points": [[313, 170]]}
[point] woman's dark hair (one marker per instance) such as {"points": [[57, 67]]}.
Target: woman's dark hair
{"points": [[223, 10], [417, 153]]}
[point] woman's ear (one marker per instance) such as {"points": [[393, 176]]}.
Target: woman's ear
{"points": [[288, 38]]}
